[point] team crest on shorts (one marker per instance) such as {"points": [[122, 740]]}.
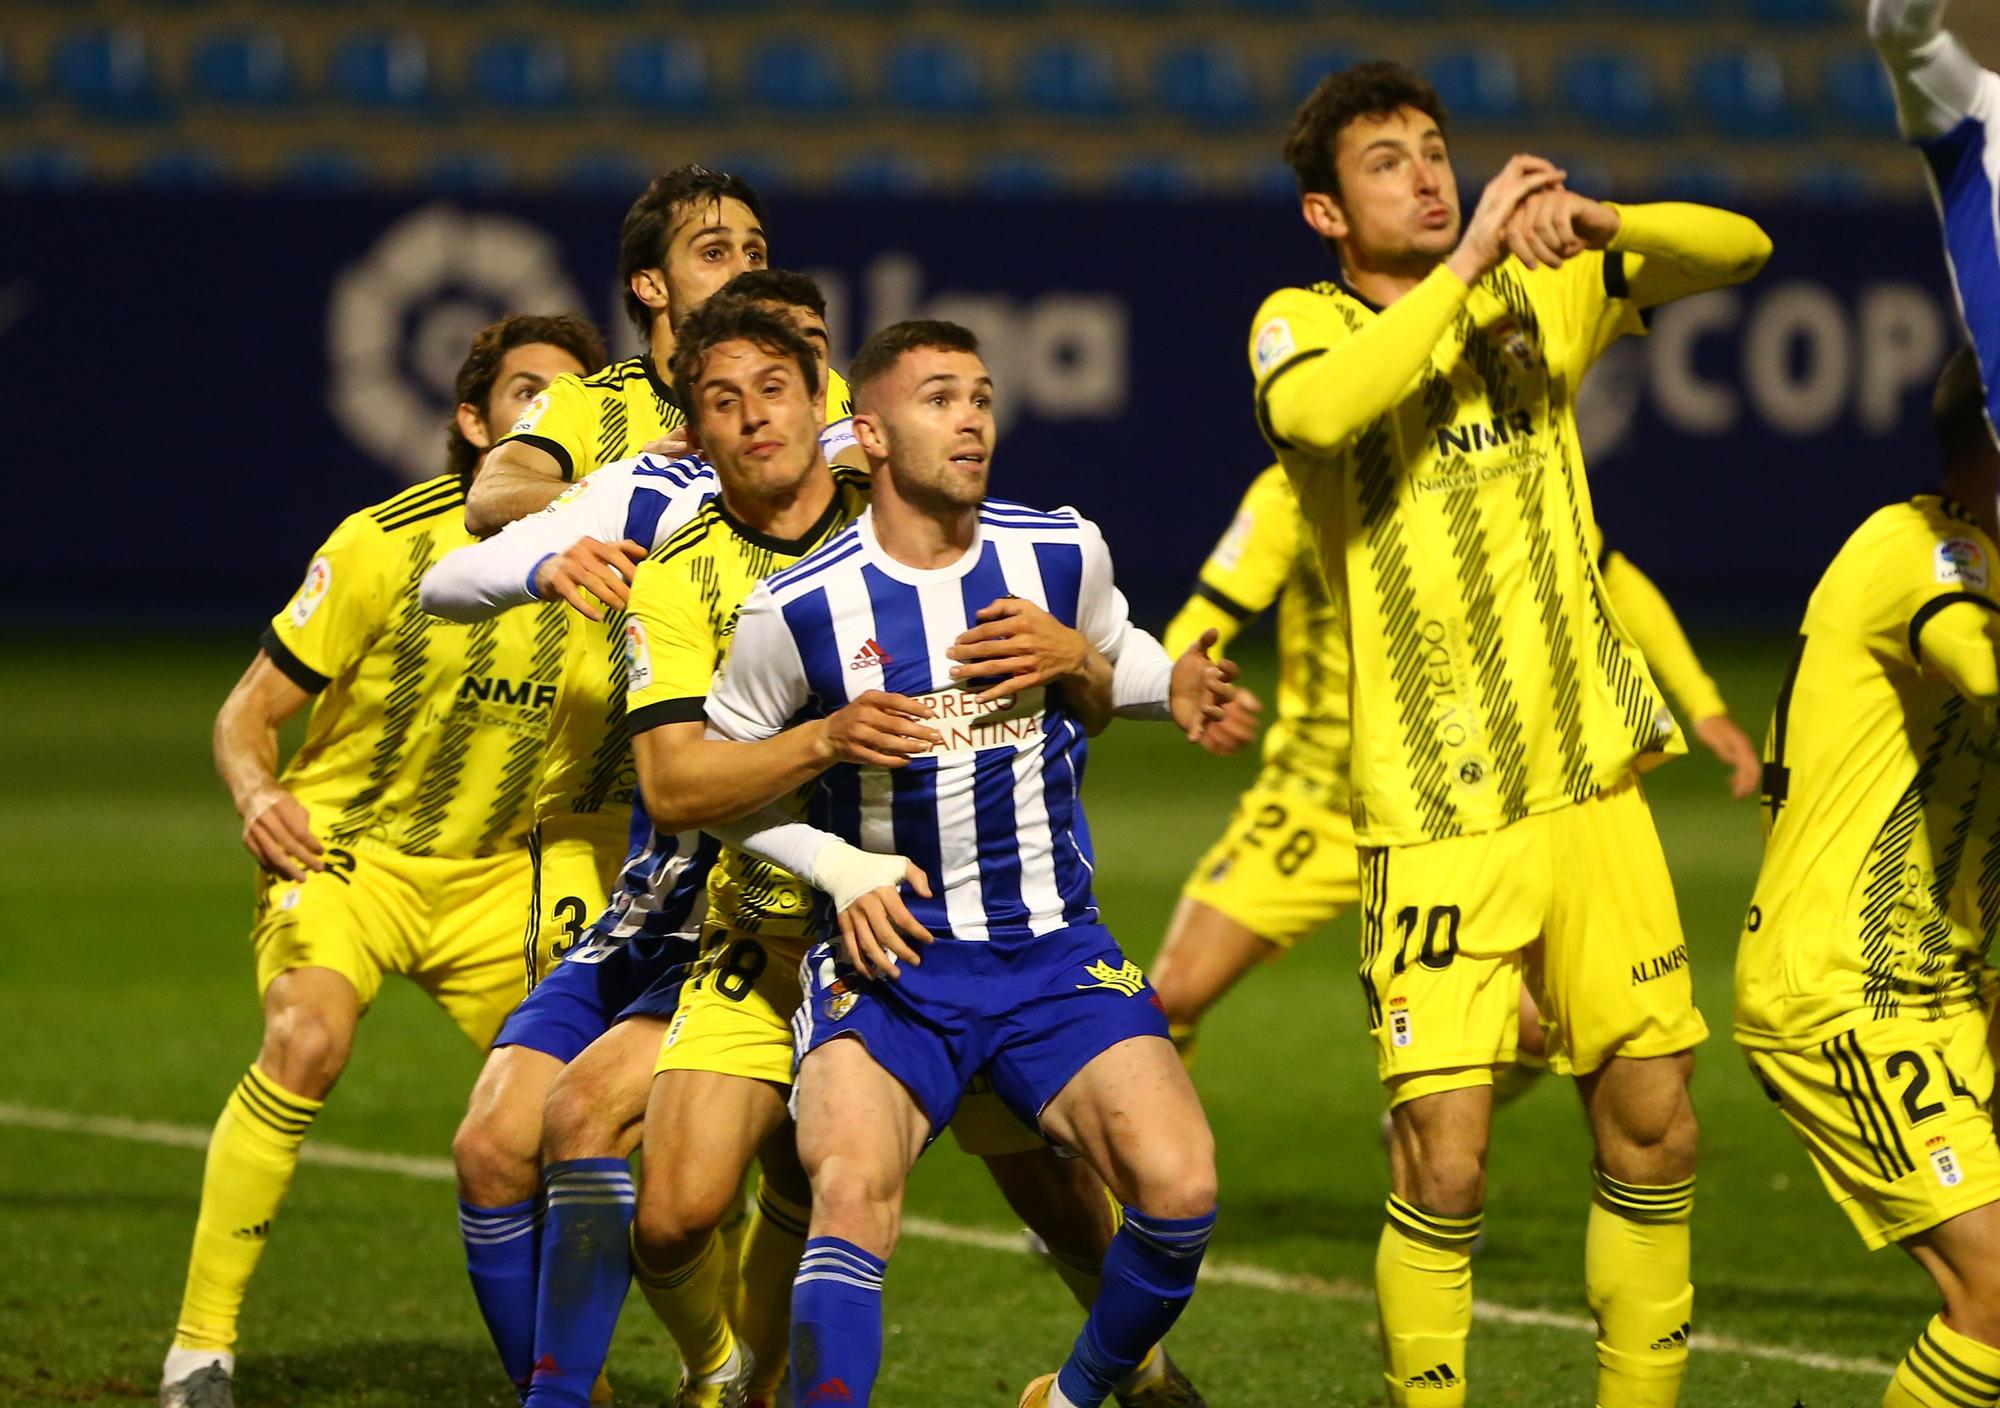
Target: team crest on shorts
{"points": [[1126, 981], [840, 1004], [1944, 1163], [1399, 1022]]}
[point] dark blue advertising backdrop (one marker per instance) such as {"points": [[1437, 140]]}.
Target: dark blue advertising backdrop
{"points": [[216, 380]]}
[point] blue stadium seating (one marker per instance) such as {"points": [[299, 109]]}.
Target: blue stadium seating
{"points": [[1530, 9], [1800, 11], [662, 76], [1017, 174], [325, 169], [1401, 9], [798, 76], [13, 98], [1274, 9], [1315, 63], [1272, 180], [936, 78], [1831, 183], [1744, 93], [243, 68], [867, 7], [1613, 90], [1854, 92], [883, 175], [109, 74], [1075, 78], [604, 171], [43, 167], [1660, 9], [1157, 178], [382, 70], [1480, 85], [765, 172], [1707, 182], [183, 169], [1207, 82], [521, 73], [468, 173]]}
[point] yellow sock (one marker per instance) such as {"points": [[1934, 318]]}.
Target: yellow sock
{"points": [[1185, 1036], [251, 1156], [1423, 1290], [1945, 1369], [688, 1301], [762, 1310], [1635, 1267]]}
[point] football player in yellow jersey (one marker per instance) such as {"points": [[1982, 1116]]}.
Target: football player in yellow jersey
{"points": [[690, 232], [1860, 970], [1422, 406], [1286, 863], [394, 839]]}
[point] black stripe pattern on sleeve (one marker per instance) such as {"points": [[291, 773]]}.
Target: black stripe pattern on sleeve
{"points": [[663, 712], [289, 665], [1236, 609], [1937, 604], [556, 452]]}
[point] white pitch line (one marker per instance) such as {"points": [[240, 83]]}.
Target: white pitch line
{"points": [[1223, 1273]]}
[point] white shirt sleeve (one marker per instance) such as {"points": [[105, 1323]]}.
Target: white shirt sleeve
{"points": [[1142, 677], [762, 685], [488, 577], [1938, 84], [1101, 613], [771, 836]]}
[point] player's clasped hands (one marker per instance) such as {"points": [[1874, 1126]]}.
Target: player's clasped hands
{"points": [[1019, 642], [880, 729], [277, 831], [1557, 224], [603, 570], [1202, 689], [1485, 241]]}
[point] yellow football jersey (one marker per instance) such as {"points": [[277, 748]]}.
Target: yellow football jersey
{"points": [[1880, 889], [424, 736], [1490, 678], [1267, 555], [589, 421], [680, 622]]}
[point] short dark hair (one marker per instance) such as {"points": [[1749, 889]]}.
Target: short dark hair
{"points": [[573, 333], [885, 347], [1373, 89], [658, 212], [786, 286], [1958, 408], [727, 319]]}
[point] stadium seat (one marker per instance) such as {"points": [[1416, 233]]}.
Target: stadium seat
{"points": [[1612, 90], [521, 73], [798, 76], [1400, 9], [766, 173], [467, 173], [733, 9], [884, 174], [1315, 63], [1799, 11], [243, 68], [603, 171], [662, 77], [1273, 9], [1743, 93], [1479, 84], [324, 169], [1271, 180], [45, 166], [1014, 175], [1707, 182], [183, 169], [1854, 92], [382, 70], [13, 98], [1157, 178], [867, 7], [936, 78], [1210, 83], [1669, 10], [109, 74], [1530, 9], [1831, 183], [1075, 78]]}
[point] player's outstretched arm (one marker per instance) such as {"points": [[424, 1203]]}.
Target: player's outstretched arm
{"points": [[1962, 643], [1936, 81], [516, 480], [277, 831], [574, 549], [1680, 248]]}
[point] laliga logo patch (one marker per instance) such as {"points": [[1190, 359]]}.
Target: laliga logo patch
{"points": [[1400, 1033], [312, 591], [532, 414], [1274, 344], [1961, 561], [638, 659], [1520, 353], [1944, 1163]]}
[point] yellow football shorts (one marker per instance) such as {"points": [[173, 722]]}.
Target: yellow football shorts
{"points": [[576, 863], [1894, 1114], [1284, 866], [735, 1014], [1449, 932], [452, 927]]}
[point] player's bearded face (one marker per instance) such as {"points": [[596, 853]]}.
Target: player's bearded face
{"points": [[711, 246], [756, 421], [1398, 194], [937, 417]]}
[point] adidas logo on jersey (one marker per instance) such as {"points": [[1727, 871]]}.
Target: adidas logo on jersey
{"points": [[1440, 1377], [1677, 1340], [253, 1234], [870, 657]]}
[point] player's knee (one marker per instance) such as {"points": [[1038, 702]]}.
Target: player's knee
{"points": [[1179, 1180], [1449, 1181], [304, 1049], [858, 1202], [496, 1159], [681, 1206], [577, 1125], [1656, 1144]]}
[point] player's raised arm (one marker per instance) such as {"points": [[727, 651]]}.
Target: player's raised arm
{"points": [[519, 479], [1674, 249], [1937, 82], [578, 543]]}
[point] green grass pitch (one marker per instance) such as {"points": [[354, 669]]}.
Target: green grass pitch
{"points": [[124, 898]]}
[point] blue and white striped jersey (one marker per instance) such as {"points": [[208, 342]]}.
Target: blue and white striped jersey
{"points": [[992, 814]]}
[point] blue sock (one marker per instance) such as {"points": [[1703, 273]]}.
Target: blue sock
{"points": [[500, 1255], [586, 1269], [836, 1325], [1149, 1274]]}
